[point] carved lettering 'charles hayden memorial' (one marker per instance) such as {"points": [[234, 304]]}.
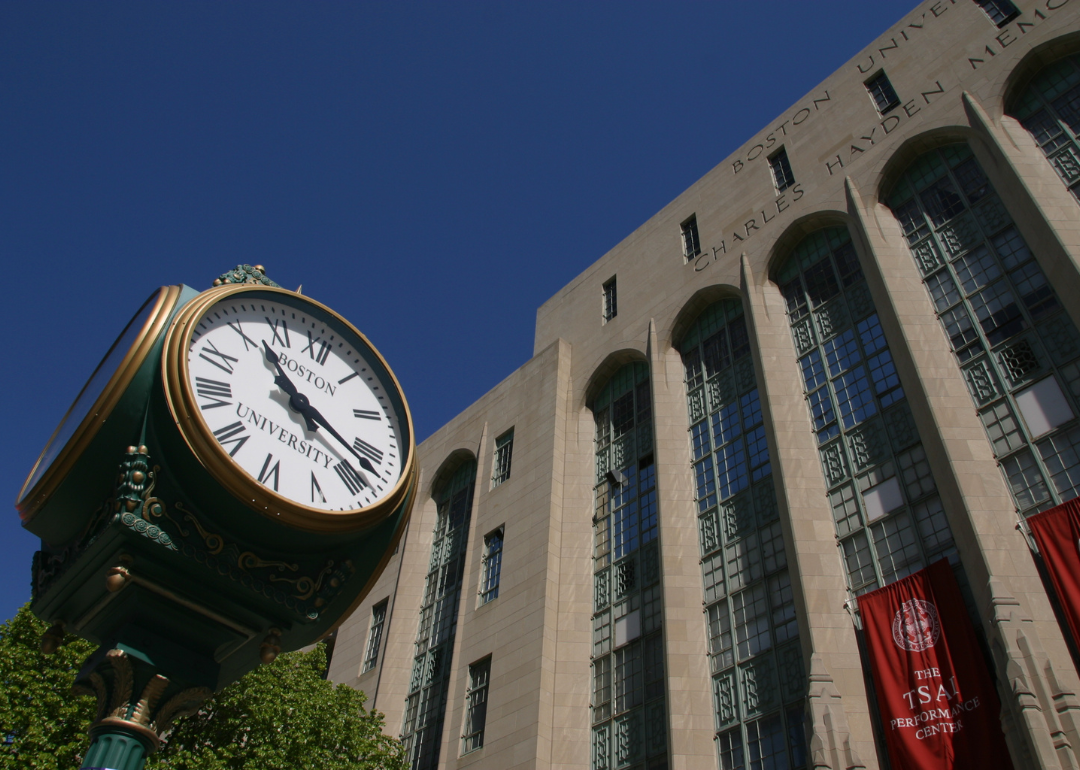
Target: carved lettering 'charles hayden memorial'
{"points": [[643, 498], [870, 135]]}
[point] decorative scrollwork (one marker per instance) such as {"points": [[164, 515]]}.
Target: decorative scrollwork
{"points": [[248, 560], [123, 683], [304, 585], [182, 704], [155, 506], [150, 696], [245, 274], [215, 543]]}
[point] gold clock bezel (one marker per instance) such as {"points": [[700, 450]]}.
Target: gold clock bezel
{"points": [[29, 502], [185, 412]]}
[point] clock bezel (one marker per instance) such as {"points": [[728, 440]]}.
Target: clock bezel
{"points": [[183, 408], [30, 501]]}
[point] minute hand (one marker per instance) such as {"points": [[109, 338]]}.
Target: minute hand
{"points": [[314, 414]]}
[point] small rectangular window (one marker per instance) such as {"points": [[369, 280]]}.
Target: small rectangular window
{"points": [[476, 706], [378, 619], [691, 243], [882, 92], [1001, 12], [504, 450], [611, 304], [781, 170], [492, 569]]}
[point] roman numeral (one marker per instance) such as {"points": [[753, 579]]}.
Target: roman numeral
{"points": [[324, 349], [365, 414], [367, 450], [267, 472], [213, 390], [350, 477], [232, 434], [343, 380], [235, 326], [222, 361], [316, 488], [283, 338]]}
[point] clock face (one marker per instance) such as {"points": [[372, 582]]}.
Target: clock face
{"points": [[298, 400], [94, 403]]}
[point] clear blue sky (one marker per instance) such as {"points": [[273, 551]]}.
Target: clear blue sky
{"points": [[434, 171]]}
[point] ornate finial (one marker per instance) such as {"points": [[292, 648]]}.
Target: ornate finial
{"points": [[52, 639], [245, 274], [131, 481], [271, 646]]}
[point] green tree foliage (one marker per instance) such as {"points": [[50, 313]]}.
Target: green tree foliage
{"points": [[284, 715], [42, 725], [277, 717]]}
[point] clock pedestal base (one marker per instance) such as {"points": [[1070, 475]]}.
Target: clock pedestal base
{"points": [[115, 748]]}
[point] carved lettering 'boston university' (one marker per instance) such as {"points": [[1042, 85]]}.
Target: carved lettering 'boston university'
{"points": [[909, 109], [306, 448], [306, 374], [799, 117], [909, 30], [870, 136]]}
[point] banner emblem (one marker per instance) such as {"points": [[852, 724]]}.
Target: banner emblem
{"points": [[915, 626], [937, 701]]}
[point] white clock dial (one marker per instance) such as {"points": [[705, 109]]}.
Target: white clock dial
{"points": [[298, 401]]}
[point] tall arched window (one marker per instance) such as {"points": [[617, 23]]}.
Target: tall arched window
{"points": [[754, 653], [425, 705], [1049, 107], [889, 518], [629, 717], [1015, 343]]}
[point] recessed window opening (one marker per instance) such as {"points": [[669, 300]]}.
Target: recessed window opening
{"points": [[378, 620], [611, 300], [1049, 108], [781, 170], [425, 705], [1001, 12], [750, 621], [476, 706], [882, 92], [628, 692], [888, 515], [1010, 333], [492, 569], [504, 450], [691, 243]]}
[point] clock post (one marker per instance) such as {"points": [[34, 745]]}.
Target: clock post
{"points": [[229, 484]]}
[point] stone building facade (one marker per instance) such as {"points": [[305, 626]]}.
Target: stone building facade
{"points": [[848, 351]]}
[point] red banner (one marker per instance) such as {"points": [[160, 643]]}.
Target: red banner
{"points": [[1057, 533], [937, 701]]}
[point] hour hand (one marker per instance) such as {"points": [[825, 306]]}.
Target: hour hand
{"points": [[280, 378], [297, 401]]}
